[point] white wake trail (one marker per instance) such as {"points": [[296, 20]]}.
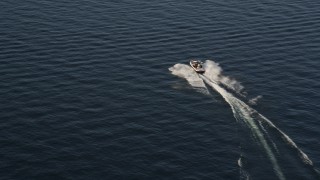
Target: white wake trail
{"points": [[242, 111], [257, 123], [288, 140]]}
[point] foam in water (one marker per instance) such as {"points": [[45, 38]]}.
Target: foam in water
{"points": [[254, 101], [243, 174], [214, 72], [185, 71]]}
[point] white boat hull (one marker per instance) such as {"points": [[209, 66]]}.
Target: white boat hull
{"points": [[197, 66]]}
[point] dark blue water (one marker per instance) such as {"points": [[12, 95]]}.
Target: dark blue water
{"points": [[86, 93]]}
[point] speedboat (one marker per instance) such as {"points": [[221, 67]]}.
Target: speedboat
{"points": [[197, 66]]}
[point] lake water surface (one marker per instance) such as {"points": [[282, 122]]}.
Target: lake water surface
{"points": [[94, 89]]}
